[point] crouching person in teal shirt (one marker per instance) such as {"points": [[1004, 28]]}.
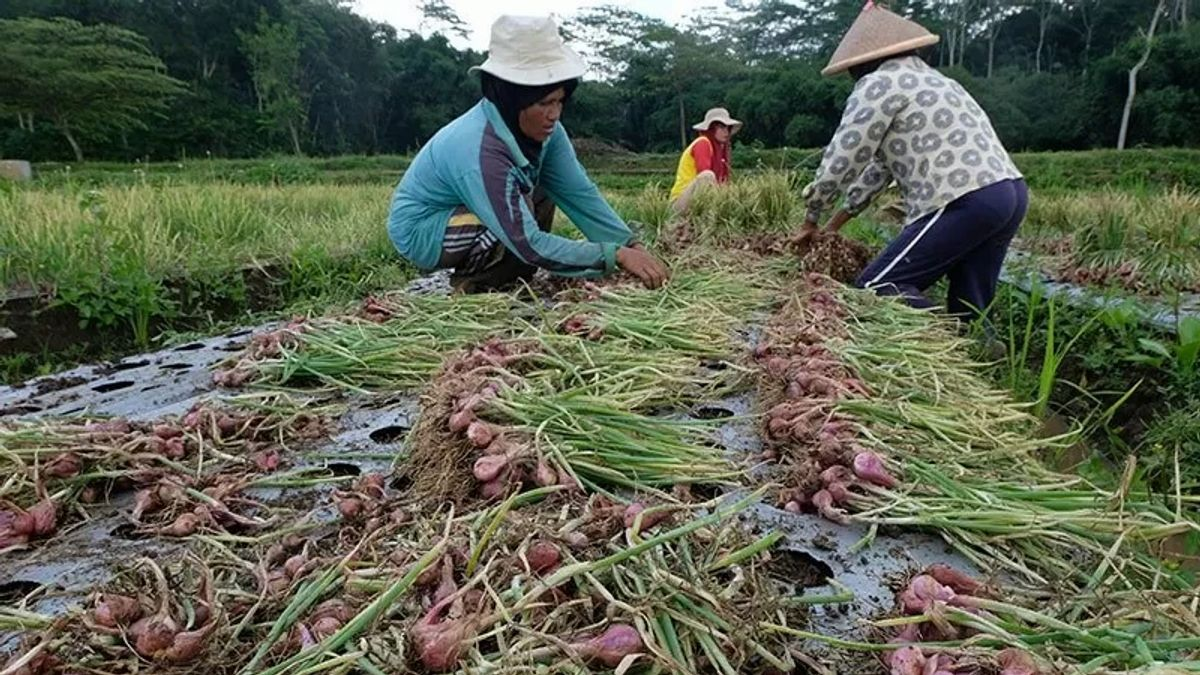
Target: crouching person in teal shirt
{"points": [[480, 197]]}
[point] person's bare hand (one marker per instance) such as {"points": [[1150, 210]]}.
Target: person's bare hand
{"points": [[804, 237], [642, 265], [837, 220]]}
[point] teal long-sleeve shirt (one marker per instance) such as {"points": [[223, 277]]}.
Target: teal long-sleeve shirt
{"points": [[475, 162]]}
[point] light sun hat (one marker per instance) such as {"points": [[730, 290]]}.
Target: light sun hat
{"points": [[718, 115], [877, 33], [528, 50]]}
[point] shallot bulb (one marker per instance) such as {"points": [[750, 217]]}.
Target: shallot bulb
{"points": [[461, 420], [823, 500], [488, 467], [267, 460], [869, 467], [350, 507], [116, 610], [837, 474], [184, 526], [907, 661], [545, 476], [922, 592], [543, 557], [439, 644], [66, 465], [295, 564], [839, 491], [939, 664], [957, 581], [493, 488], [167, 432], [480, 434], [612, 646], [1016, 662], [648, 521], [371, 485]]}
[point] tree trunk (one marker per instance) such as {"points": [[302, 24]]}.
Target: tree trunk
{"points": [[66, 130], [682, 125], [1087, 48], [1043, 23], [962, 45], [295, 134], [1133, 74], [207, 67], [992, 34]]}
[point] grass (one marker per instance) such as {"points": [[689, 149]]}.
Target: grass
{"points": [[138, 249], [67, 236], [1127, 170], [132, 261], [763, 204], [1143, 241]]}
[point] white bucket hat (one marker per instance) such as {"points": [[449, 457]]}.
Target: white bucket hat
{"points": [[877, 33], [528, 50], [718, 115]]}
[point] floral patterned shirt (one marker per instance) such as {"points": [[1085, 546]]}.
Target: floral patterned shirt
{"points": [[907, 121]]}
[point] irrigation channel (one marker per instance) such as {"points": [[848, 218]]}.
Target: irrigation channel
{"points": [[756, 469]]}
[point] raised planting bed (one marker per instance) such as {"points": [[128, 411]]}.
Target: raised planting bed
{"points": [[751, 470]]}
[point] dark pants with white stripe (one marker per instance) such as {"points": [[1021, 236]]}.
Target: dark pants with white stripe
{"points": [[481, 263], [966, 242]]}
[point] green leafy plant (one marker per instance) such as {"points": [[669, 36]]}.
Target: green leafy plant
{"points": [[1179, 355]]}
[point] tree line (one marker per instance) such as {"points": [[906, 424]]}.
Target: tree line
{"points": [[169, 79]]}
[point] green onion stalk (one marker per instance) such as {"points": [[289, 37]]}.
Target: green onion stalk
{"points": [[968, 458], [630, 377], [605, 445], [400, 353], [1135, 636], [697, 313], [693, 594]]}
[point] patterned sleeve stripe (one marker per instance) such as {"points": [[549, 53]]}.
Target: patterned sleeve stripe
{"points": [[505, 199]]}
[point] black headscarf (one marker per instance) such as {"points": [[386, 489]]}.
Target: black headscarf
{"points": [[510, 99]]}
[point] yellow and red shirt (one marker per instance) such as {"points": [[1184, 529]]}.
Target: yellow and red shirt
{"points": [[700, 156]]}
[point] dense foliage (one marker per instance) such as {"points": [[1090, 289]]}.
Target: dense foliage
{"points": [[311, 76]]}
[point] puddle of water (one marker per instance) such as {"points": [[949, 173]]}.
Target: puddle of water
{"points": [[190, 347]]}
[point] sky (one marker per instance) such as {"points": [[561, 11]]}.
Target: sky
{"points": [[479, 14]]}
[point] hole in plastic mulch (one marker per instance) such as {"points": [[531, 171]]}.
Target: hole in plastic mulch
{"points": [[112, 386], [389, 434]]}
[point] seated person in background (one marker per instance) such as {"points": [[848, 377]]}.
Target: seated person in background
{"points": [[480, 196], [706, 161]]}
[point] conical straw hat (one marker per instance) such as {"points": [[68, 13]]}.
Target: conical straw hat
{"points": [[877, 33]]}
